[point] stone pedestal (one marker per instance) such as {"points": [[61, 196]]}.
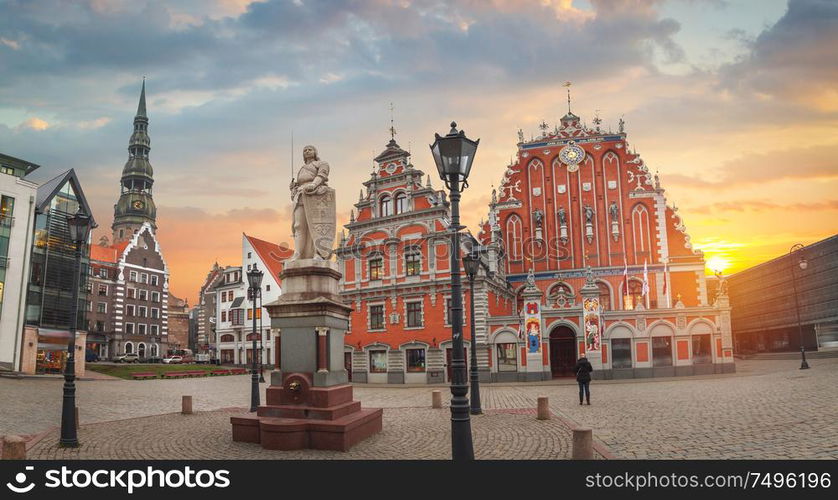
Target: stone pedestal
{"points": [[309, 402]]}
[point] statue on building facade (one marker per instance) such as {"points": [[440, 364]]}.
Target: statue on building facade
{"points": [[314, 220]]}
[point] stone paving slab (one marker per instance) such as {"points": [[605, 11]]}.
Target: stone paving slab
{"points": [[409, 434], [768, 409]]}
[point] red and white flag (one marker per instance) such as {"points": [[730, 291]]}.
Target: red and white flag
{"points": [[665, 270], [645, 278]]}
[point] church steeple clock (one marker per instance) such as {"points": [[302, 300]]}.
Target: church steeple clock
{"points": [[136, 205]]}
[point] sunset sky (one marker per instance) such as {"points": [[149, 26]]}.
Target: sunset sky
{"points": [[735, 102]]}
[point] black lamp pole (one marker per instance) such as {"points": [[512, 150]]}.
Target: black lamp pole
{"points": [[254, 278], [453, 155], [471, 263], [801, 262], [79, 229]]}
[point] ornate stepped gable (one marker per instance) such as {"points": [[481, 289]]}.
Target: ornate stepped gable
{"points": [[577, 196]]}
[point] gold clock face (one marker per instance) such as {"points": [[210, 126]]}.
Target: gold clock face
{"points": [[138, 205]]}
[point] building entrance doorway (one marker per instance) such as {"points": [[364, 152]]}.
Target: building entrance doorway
{"points": [[562, 351]]}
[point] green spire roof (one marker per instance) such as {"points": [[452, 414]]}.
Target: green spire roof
{"points": [[141, 108]]}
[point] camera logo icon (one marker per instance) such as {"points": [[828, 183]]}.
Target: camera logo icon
{"points": [[20, 479]]}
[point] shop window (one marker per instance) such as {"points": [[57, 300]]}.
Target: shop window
{"points": [[620, 353], [415, 360], [378, 361], [414, 314], [661, 351], [377, 317], [701, 349], [507, 357]]}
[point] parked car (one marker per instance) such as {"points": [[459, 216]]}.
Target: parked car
{"points": [[154, 359], [128, 358], [173, 360], [202, 358]]}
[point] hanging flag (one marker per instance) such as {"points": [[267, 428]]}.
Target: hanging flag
{"points": [[665, 270], [645, 278]]}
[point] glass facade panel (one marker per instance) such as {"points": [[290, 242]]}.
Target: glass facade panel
{"points": [[661, 351], [620, 353]]}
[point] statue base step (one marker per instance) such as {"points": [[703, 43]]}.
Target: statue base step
{"points": [[300, 416]]}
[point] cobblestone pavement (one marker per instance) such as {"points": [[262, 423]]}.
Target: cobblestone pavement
{"points": [[409, 434], [767, 410]]}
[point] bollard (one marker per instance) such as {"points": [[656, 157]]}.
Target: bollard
{"points": [[77, 418], [14, 448], [436, 399], [186, 405], [543, 408], [583, 444]]}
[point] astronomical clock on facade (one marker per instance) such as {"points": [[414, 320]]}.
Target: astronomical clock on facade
{"points": [[581, 254]]}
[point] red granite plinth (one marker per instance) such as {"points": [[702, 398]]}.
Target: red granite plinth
{"points": [[298, 415]]}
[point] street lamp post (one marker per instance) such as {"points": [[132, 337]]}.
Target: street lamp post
{"points": [[79, 229], [254, 289], [471, 263], [453, 155], [802, 264]]}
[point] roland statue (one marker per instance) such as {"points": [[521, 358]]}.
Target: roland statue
{"points": [[314, 220]]}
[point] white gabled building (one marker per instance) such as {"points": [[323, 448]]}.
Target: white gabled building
{"points": [[234, 312]]}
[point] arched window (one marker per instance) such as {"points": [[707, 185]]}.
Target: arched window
{"points": [[634, 295], [640, 226], [141, 350], [514, 237], [129, 348], [385, 206], [401, 203], [604, 296], [412, 261], [228, 338]]}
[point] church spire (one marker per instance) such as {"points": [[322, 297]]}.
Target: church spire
{"points": [[136, 205], [141, 107]]}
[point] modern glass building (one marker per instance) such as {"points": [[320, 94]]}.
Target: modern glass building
{"points": [[49, 297]]}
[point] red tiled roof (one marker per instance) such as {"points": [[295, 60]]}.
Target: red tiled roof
{"points": [[271, 254], [103, 254]]}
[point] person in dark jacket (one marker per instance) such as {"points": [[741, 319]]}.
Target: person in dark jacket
{"points": [[583, 377]]}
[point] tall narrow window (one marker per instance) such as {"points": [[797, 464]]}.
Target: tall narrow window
{"points": [[413, 262], [514, 238], [376, 268], [640, 227], [401, 203], [377, 317], [414, 314], [385, 206]]}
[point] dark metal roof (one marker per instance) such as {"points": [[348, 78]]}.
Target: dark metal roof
{"points": [[48, 190], [237, 302]]}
